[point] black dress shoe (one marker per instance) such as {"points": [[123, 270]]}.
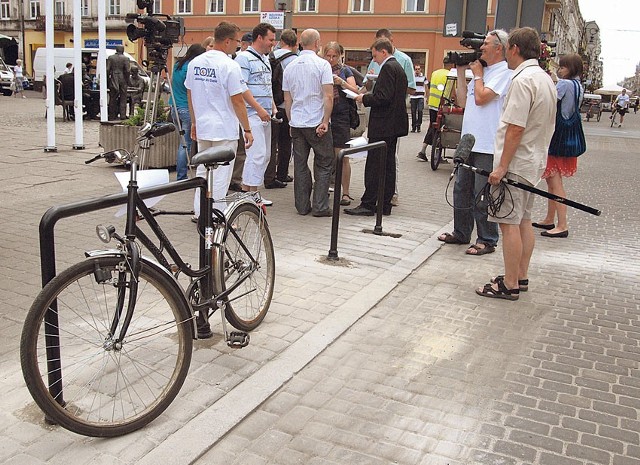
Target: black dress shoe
{"points": [[275, 184], [287, 178], [558, 234], [543, 226], [360, 210]]}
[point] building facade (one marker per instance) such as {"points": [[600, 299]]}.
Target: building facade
{"points": [[417, 25]]}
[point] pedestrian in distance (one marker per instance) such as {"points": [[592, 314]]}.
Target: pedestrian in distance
{"points": [[18, 79], [522, 140], [482, 100], [256, 73], [308, 99], [436, 88], [181, 112], [215, 90], [388, 120], [562, 161], [340, 120], [621, 104], [417, 100]]}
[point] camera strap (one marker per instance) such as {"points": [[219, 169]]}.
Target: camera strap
{"points": [[258, 57]]}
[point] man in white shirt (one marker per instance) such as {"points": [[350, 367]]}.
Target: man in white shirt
{"points": [[482, 100], [214, 88], [622, 105], [256, 72], [308, 99]]}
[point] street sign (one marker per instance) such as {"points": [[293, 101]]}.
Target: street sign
{"points": [[275, 18]]}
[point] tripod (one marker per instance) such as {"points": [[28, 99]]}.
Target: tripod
{"points": [[156, 63]]}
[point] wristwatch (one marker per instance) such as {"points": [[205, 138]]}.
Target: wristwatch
{"points": [[477, 78]]}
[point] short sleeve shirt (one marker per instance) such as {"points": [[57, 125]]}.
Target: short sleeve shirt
{"points": [[623, 100], [256, 72], [303, 78], [213, 78], [482, 121], [531, 104]]}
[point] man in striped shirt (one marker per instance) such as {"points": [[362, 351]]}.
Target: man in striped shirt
{"points": [[256, 72]]}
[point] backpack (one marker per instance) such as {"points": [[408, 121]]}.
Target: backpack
{"points": [[277, 71]]}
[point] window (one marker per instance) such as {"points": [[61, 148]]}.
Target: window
{"points": [[362, 6], [157, 6], [5, 9], [306, 6], [216, 6], [184, 7], [416, 6], [58, 8], [252, 6], [34, 9], [114, 7], [84, 8]]}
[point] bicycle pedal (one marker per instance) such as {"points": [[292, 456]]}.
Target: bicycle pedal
{"points": [[238, 339]]}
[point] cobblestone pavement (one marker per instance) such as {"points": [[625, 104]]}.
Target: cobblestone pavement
{"points": [[429, 374], [436, 375]]}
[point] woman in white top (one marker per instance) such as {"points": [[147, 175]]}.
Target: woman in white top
{"points": [[18, 78]]}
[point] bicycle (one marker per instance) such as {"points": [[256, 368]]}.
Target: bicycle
{"points": [[120, 327], [614, 112]]}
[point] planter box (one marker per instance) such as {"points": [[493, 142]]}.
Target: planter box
{"points": [[162, 153]]}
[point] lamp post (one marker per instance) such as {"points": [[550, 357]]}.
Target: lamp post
{"points": [[587, 49]]}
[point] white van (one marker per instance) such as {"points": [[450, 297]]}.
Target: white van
{"points": [[62, 56]]}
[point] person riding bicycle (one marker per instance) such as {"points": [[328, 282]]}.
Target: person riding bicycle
{"points": [[621, 106]]}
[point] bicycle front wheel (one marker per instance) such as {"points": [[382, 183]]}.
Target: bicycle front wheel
{"points": [[246, 264], [436, 152], [78, 371]]}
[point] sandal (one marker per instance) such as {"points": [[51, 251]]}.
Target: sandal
{"points": [[480, 250], [501, 293], [346, 200], [523, 284], [449, 238]]}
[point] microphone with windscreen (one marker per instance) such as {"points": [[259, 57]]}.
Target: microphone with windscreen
{"points": [[463, 150]]}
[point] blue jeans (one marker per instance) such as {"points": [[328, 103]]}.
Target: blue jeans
{"points": [[185, 124], [465, 191]]}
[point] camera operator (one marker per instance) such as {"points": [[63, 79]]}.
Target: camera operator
{"points": [[482, 100]]}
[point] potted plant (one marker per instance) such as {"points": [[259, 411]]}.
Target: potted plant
{"points": [[122, 134]]}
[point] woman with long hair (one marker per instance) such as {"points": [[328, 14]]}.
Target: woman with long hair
{"points": [[570, 93], [340, 128], [182, 105]]}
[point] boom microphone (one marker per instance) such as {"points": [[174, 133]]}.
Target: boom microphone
{"points": [[464, 148]]}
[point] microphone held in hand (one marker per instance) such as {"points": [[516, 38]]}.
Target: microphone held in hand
{"points": [[464, 148]]}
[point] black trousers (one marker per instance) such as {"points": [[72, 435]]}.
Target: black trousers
{"points": [[372, 174]]}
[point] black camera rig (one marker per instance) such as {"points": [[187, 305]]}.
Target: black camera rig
{"points": [[160, 32], [471, 40]]}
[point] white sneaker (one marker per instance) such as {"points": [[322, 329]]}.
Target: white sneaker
{"points": [[265, 202], [394, 200]]}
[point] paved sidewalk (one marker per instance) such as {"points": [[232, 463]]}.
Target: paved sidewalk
{"points": [[426, 372], [314, 302]]}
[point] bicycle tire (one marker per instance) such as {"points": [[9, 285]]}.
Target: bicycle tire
{"points": [[613, 118], [108, 390], [436, 152], [248, 304], [598, 116]]}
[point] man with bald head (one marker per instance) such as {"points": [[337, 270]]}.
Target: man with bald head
{"points": [[307, 84]]}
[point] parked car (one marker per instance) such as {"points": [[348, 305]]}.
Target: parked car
{"points": [[6, 78]]}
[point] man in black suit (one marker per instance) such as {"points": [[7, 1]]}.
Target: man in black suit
{"points": [[387, 122]]}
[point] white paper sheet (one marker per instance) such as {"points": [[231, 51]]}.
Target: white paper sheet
{"points": [[349, 93], [358, 142], [146, 178]]}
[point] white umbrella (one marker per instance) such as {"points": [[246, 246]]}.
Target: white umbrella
{"points": [[612, 89]]}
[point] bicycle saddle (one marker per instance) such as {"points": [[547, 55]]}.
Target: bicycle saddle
{"points": [[213, 156]]}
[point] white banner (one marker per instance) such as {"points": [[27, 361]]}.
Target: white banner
{"points": [[275, 18]]}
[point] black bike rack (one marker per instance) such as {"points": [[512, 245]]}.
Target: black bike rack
{"points": [[48, 255], [337, 192]]}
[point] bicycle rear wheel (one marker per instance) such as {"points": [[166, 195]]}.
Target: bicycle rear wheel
{"points": [[613, 118], [246, 262], [109, 387], [436, 152]]}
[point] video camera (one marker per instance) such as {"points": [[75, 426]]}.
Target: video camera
{"points": [[155, 31], [471, 40]]}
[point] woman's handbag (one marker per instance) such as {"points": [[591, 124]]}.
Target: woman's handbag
{"points": [[568, 138], [354, 118]]}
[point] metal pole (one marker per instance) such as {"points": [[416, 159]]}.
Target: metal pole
{"points": [[337, 195]]}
